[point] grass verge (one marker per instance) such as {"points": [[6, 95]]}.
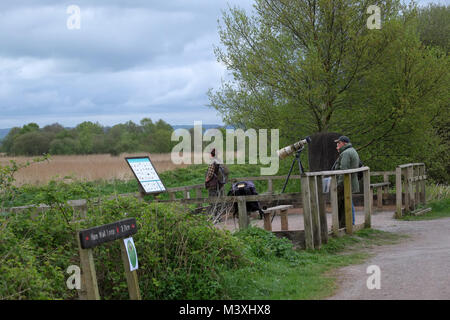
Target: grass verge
{"points": [[291, 274], [439, 209]]}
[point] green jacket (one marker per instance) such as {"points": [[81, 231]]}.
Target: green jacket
{"points": [[348, 159]]}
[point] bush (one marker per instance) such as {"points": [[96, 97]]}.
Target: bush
{"points": [[179, 254]]}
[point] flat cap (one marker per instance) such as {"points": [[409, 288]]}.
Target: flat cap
{"points": [[343, 139]]}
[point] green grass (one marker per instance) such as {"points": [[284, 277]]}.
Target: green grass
{"points": [[302, 274], [439, 209]]}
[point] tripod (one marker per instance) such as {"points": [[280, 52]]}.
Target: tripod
{"points": [[300, 167]]}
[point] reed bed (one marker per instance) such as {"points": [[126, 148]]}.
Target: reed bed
{"points": [[84, 167]]}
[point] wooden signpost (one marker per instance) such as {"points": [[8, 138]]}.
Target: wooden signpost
{"points": [[92, 237]]}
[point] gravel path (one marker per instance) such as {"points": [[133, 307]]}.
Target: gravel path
{"points": [[416, 268]]}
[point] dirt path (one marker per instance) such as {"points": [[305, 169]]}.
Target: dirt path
{"points": [[416, 268]]}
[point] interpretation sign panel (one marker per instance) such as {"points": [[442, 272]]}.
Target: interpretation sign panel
{"points": [[92, 237], [132, 254], [146, 174]]}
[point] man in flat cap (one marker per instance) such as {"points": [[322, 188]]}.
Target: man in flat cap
{"points": [[348, 159]]}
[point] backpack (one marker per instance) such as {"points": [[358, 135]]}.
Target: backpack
{"points": [[222, 175], [360, 174]]}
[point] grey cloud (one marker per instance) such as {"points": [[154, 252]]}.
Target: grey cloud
{"points": [[130, 59]]}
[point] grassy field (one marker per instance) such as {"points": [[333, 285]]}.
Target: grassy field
{"points": [[84, 167]]}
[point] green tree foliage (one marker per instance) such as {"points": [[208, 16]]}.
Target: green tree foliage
{"points": [[89, 138], [314, 66]]}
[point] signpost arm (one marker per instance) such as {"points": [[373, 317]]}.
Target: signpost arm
{"points": [[132, 279]]}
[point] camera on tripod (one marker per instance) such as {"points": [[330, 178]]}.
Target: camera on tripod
{"points": [[287, 151]]}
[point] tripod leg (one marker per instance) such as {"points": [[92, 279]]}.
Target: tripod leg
{"points": [[289, 174]]}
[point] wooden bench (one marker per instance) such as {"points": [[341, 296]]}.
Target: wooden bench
{"points": [[282, 211], [379, 187]]}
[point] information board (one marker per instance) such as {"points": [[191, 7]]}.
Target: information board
{"points": [[146, 174]]}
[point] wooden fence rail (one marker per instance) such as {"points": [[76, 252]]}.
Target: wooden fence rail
{"points": [[410, 188], [410, 177], [314, 214]]}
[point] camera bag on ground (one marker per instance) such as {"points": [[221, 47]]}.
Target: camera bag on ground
{"points": [[245, 188]]}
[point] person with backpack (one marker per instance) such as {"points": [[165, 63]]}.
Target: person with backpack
{"points": [[216, 176], [348, 159]]}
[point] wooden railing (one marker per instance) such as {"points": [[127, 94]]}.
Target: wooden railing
{"points": [[314, 213], [409, 178]]}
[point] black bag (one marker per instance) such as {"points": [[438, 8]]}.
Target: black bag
{"points": [[245, 188], [360, 174]]}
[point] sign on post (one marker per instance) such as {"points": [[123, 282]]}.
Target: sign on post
{"points": [[92, 237], [146, 175]]}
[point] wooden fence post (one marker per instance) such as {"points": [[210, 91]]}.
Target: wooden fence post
{"points": [[367, 206], [88, 275], [315, 212], [406, 188], [131, 276], [270, 186], [412, 204], [348, 203], [243, 217], [334, 206], [422, 185], [386, 189], [267, 221], [322, 211], [309, 240], [284, 219], [379, 197], [398, 192]]}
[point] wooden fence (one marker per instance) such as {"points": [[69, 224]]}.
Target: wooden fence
{"points": [[410, 188], [310, 198], [314, 213]]}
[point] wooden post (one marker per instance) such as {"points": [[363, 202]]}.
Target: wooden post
{"points": [[422, 185], [172, 195], [322, 211], [89, 285], [284, 219], [398, 192], [334, 206], [348, 203], [131, 276], [198, 193], [267, 221], [270, 186], [315, 212], [406, 188], [367, 207], [309, 240], [386, 189], [417, 183], [379, 197], [412, 204], [243, 218]]}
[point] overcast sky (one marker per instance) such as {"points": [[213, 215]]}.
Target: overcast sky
{"points": [[129, 60]]}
